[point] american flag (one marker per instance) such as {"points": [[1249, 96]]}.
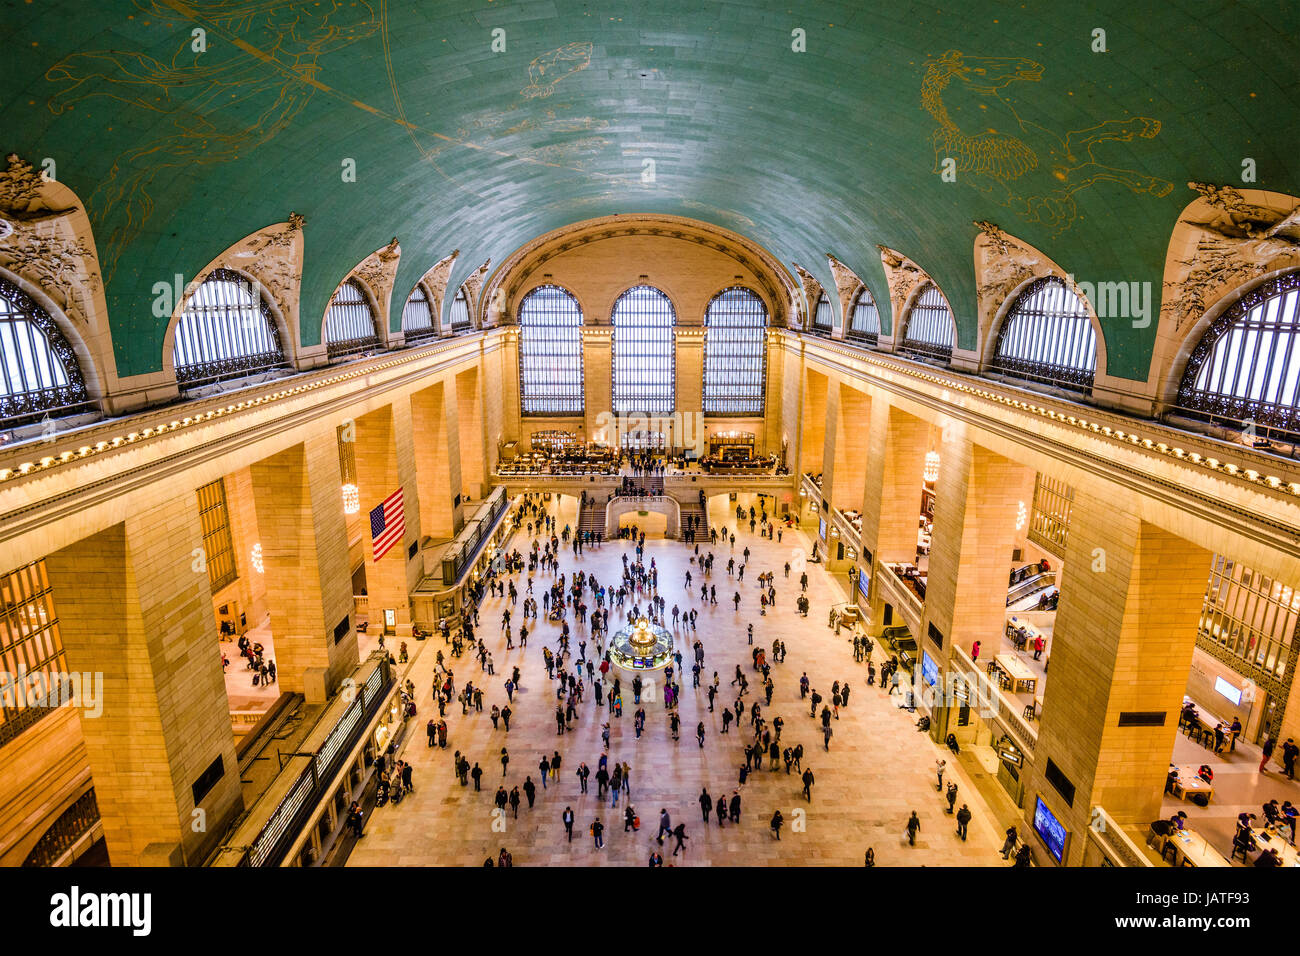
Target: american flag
{"points": [[387, 524]]}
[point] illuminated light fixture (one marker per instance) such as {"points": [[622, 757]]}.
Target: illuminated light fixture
{"points": [[1212, 462], [1273, 481], [1252, 474], [351, 499], [931, 472], [1179, 453], [257, 558], [1022, 516], [47, 461], [1230, 468]]}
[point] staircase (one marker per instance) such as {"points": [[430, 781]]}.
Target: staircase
{"points": [[591, 517], [690, 510]]}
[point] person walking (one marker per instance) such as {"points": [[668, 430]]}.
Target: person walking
{"points": [[530, 791], [567, 817], [665, 826], [777, 820], [706, 803], [963, 819], [808, 781], [913, 828], [680, 833], [598, 833]]}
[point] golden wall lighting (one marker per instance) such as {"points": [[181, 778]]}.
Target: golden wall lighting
{"points": [[257, 558], [931, 472], [1022, 516], [351, 499]]}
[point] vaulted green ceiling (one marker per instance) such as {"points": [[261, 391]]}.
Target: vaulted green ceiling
{"points": [[835, 149]]}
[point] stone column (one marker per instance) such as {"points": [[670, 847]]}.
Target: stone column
{"points": [[597, 384], [689, 400], [436, 429], [386, 462], [135, 607], [299, 503], [1122, 647], [976, 499], [473, 456]]}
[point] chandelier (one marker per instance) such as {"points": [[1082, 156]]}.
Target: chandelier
{"points": [[351, 499], [931, 472], [1022, 515], [257, 558]]}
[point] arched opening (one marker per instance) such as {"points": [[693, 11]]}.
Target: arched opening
{"points": [[1245, 370], [864, 322], [823, 316], [644, 359], [735, 353], [929, 330], [225, 332], [39, 373], [417, 315], [460, 319], [350, 323], [1048, 337], [550, 353]]}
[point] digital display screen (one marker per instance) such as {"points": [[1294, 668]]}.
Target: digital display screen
{"points": [[929, 669], [821, 527], [864, 585], [1227, 690], [1050, 829]]}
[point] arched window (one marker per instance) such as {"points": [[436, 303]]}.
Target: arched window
{"points": [[350, 324], [550, 353], [39, 374], [460, 320], [1047, 337], [644, 357], [1247, 365], [735, 353], [929, 330], [823, 315], [417, 315], [864, 326], [226, 331]]}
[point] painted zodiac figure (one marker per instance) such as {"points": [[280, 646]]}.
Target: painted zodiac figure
{"points": [[1034, 170], [217, 105], [551, 67]]}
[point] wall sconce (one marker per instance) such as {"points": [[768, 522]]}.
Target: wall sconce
{"points": [[257, 558], [931, 472], [351, 499], [1022, 516]]}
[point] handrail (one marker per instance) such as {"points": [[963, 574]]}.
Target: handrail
{"points": [[1114, 842], [1025, 736]]}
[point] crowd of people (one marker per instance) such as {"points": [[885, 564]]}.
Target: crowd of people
{"points": [[584, 686]]}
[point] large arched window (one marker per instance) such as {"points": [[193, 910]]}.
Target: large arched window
{"points": [[460, 320], [735, 353], [864, 324], [1047, 337], [226, 331], [1247, 365], [417, 315], [644, 357], [929, 328], [823, 315], [550, 353], [39, 374], [350, 324]]}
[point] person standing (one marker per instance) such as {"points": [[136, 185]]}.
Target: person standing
{"points": [[706, 803], [939, 767], [699, 733], [598, 833], [1268, 752], [1009, 843], [913, 828], [1289, 752], [963, 819], [567, 817]]}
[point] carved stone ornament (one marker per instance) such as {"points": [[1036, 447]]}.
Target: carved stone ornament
{"points": [[1237, 241]]}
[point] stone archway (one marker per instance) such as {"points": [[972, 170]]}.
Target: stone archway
{"points": [[660, 504]]}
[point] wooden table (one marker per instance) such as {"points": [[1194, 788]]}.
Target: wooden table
{"points": [[1023, 680], [1188, 783], [1193, 849], [1271, 840]]}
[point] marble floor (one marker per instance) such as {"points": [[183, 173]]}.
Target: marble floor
{"points": [[877, 771]]}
